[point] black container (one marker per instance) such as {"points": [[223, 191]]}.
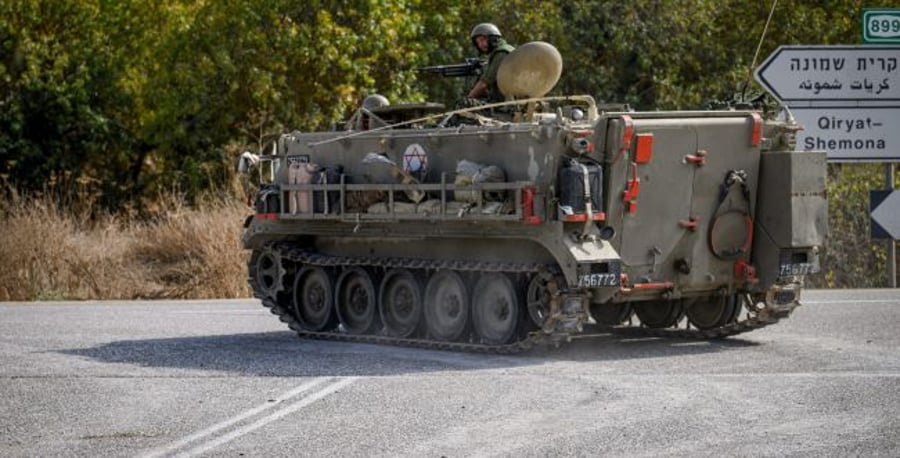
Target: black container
{"points": [[571, 185], [268, 200]]}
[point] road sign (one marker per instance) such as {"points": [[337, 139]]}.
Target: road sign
{"points": [[881, 26], [869, 134], [847, 98], [799, 75], [885, 209]]}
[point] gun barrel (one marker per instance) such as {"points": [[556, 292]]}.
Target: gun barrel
{"points": [[469, 68]]}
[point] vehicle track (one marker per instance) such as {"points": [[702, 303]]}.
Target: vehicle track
{"points": [[756, 318]]}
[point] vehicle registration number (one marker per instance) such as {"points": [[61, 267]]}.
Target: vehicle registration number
{"points": [[598, 280], [802, 268]]}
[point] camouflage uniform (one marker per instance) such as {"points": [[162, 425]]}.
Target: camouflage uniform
{"points": [[489, 76]]}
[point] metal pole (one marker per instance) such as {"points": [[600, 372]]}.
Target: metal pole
{"points": [[892, 244]]}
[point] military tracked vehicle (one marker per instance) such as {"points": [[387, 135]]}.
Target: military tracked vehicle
{"points": [[498, 227]]}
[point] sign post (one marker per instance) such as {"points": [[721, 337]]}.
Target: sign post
{"points": [[892, 245], [884, 206]]}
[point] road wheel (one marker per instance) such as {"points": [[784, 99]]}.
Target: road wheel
{"points": [[714, 312], [446, 306], [356, 302], [495, 309], [607, 314], [400, 303], [659, 314], [313, 301]]}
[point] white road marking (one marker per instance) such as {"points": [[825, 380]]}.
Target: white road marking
{"points": [[234, 420], [783, 375], [851, 301], [203, 448]]}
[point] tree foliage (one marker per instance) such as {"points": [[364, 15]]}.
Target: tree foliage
{"points": [[850, 257], [121, 99]]}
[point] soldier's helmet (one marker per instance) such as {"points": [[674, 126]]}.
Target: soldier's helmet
{"points": [[374, 101], [487, 29]]}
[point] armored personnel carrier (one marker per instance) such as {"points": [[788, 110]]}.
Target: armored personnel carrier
{"points": [[497, 227]]}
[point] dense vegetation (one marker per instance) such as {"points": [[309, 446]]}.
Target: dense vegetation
{"points": [[120, 101]]}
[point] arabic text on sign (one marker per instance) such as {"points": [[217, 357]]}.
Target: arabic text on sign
{"points": [[857, 85]]}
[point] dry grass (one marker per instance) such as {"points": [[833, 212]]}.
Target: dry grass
{"points": [[54, 253]]}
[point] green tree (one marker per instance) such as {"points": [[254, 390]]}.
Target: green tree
{"points": [[54, 88], [246, 71]]}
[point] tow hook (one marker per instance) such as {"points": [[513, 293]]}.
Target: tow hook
{"points": [[781, 300], [568, 313]]}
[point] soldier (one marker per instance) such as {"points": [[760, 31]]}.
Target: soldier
{"points": [[487, 39], [362, 119]]}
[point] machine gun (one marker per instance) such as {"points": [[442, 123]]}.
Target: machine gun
{"points": [[471, 67]]}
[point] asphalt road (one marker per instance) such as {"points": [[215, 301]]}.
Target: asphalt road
{"points": [[225, 378]]}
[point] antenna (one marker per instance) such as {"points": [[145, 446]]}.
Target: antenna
{"points": [[758, 47]]}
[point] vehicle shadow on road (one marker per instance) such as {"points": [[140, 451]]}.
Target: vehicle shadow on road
{"points": [[611, 347], [282, 354]]}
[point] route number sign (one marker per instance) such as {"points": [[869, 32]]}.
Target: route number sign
{"points": [[881, 26]]}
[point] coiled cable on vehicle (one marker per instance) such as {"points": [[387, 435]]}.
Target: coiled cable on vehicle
{"points": [[734, 198]]}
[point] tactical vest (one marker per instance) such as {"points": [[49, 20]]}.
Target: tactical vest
{"points": [[490, 73]]}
